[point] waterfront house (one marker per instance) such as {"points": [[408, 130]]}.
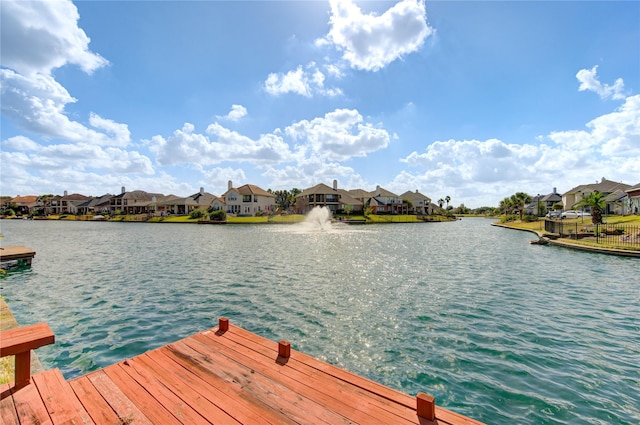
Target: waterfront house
{"points": [[24, 205], [633, 199], [334, 199], [184, 206], [135, 202], [421, 203], [384, 201], [96, 205], [606, 187], [248, 200]]}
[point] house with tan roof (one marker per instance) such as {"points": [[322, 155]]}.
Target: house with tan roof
{"points": [[384, 201], [184, 206], [248, 200], [334, 199], [135, 202], [24, 205], [421, 203], [606, 187]]}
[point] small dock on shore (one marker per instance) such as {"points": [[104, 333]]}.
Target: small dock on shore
{"points": [[16, 253], [224, 375]]}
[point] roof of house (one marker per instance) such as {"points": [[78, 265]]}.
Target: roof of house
{"points": [[380, 191], [250, 189], [25, 199], [347, 199], [359, 193], [605, 186], [415, 196], [319, 188]]}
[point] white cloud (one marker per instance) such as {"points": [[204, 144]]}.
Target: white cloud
{"points": [[339, 135], [589, 81], [306, 82], [484, 170], [186, 146], [44, 35], [236, 113], [371, 42], [21, 143]]}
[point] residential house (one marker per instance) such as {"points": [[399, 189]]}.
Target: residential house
{"points": [[421, 203], [248, 200], [96, 205], [334, 199], [183, 206], [633, 199], [606, 187], [538, 201], [65, 204], [135, 202], [24, 205], [384, 201]]}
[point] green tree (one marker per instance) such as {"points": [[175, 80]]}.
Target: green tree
{"points": [[595, 201], [519, 200], [447, 199], [441, 202]]}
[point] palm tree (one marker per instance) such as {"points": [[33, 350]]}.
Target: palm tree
{"points": [[447, 198], [519, 200], [595, 201], [440, 202]]}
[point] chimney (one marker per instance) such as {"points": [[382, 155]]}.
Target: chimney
{"points": [[230, 185], [335, 185], [417, 191], [378, 190], [202, 191], [554, 191], [122, 190], [65, 193]]}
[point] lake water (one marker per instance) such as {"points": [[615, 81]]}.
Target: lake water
{"points": [[495, 328]]}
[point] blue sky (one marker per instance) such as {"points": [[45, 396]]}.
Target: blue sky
{"points": [[472, 100]]}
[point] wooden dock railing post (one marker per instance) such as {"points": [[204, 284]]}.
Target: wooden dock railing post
{"points": [[223, 324], [19, 342], [284, 349], [426, 406]]}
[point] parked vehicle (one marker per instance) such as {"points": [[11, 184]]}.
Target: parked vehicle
{"points": [[554, 214], [574, 214]]}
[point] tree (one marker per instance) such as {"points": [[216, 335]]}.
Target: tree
{"points": [[441, 202], [447, 199], [595, 201]]}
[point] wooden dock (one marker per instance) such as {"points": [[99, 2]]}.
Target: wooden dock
{"points": [[16, 253], [224, 375]]}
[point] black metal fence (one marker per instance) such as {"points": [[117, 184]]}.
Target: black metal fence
{"points": [[607, 235]]}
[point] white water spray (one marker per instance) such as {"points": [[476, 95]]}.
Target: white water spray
{"points": [[319, 218]]}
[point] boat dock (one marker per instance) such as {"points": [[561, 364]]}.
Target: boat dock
{"points": [[16, 253], [224, 375]]}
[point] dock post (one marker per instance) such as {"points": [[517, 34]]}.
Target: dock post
{"points": [[284, 349], [223, 324], [426, 406]]}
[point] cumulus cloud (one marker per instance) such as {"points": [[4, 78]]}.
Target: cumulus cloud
{"points": [[589, 81], [44, 36], [38, 37], [339, 135], [307, 81], [236, 113], [485, 169], [370, 42], [187, 146]]}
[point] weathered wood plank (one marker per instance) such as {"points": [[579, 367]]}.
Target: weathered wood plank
{"points": [[334, 395], [185, 386], [218, 392], [151, 382], [61, 402], [148, 405], [8, 414], [30, 407], [118, 401], [93, 402]]}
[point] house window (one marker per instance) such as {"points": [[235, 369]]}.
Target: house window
{"points": [[246, 198], [311, 198]]}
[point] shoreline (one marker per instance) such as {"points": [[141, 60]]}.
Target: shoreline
{"points": [[571, 245]]}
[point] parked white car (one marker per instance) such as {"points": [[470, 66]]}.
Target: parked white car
{"points": [[574, 214]]}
